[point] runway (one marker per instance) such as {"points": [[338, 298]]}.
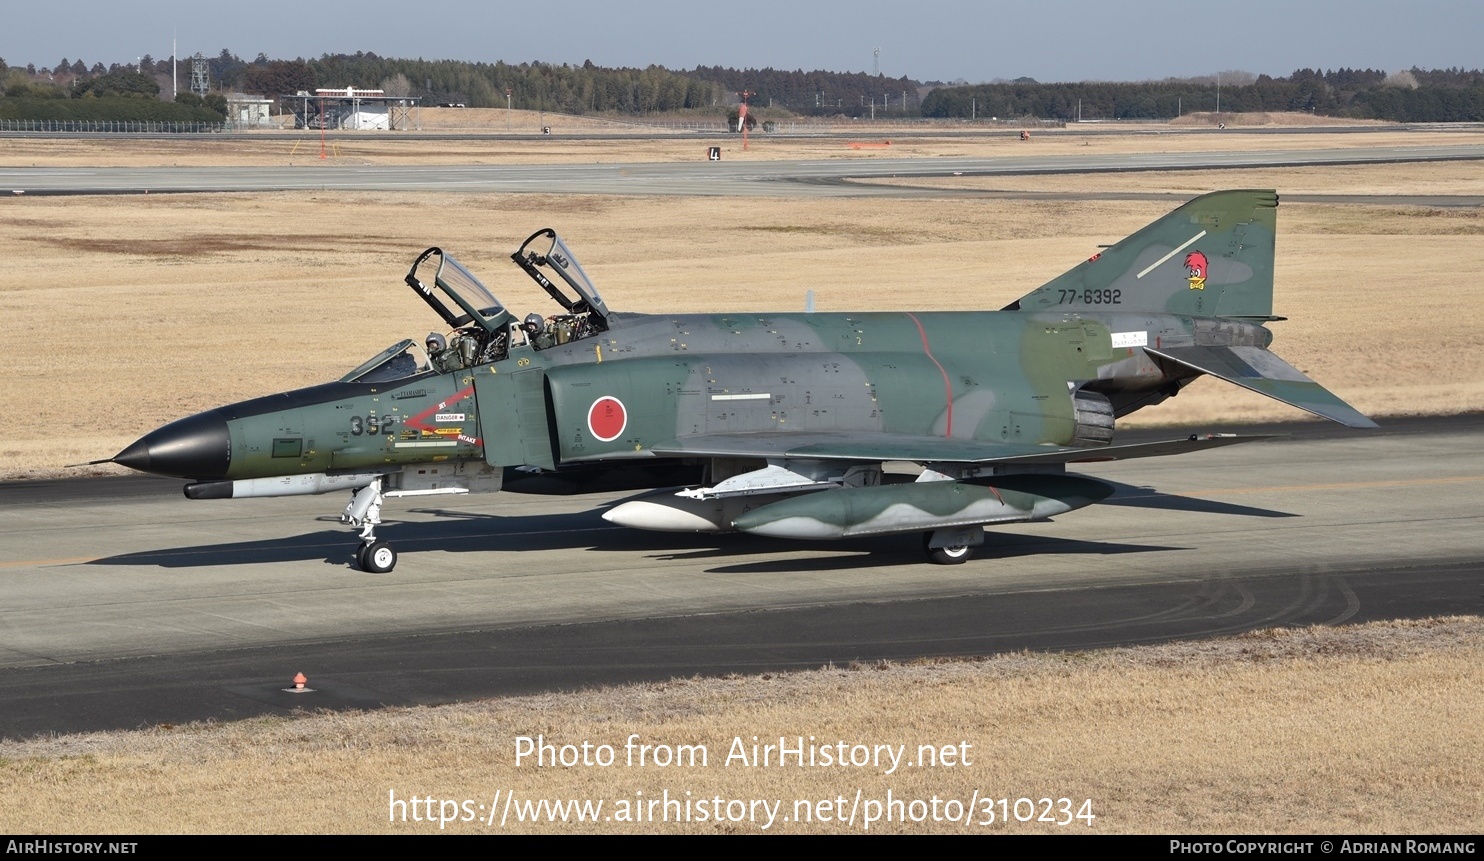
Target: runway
{"points": [[129, 605], [832, 177]]}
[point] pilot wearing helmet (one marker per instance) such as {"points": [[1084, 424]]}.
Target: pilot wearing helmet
{"points": [[538, 334], [439, 355]]}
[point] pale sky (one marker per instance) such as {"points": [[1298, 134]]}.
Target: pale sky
{"points": [[1050, 40]]}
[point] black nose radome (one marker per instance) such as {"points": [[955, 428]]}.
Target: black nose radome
{"points": [[198, 447]]}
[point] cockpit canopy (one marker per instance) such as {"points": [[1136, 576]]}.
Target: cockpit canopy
{"points": [[483, 330], [558, 258], [455, 294]]}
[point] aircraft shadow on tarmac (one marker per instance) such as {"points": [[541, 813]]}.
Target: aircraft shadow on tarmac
{"points": [[905, 550], [461, 532], [1134, 496], [454, 531]]}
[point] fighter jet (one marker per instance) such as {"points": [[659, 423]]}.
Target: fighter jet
{"points": [[777, 424]]}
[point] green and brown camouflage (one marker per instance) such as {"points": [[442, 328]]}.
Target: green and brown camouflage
{"points": [[775, 418], [920, 506]]}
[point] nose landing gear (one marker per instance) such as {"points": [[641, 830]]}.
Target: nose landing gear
{"points": [[374, 556]]}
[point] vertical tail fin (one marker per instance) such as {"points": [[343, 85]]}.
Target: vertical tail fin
{"points": [[1212, 257]]}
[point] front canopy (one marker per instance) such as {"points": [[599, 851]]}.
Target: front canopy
{"points": [[455, 294]]}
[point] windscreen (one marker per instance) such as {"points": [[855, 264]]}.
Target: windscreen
{"points": [[395, 362]]}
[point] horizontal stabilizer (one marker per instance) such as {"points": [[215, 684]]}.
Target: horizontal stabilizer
{"points": [[921, 449], [1263, 372]]}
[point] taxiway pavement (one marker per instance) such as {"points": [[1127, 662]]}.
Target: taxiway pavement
{"points": [[814, 178], [129, 605]]}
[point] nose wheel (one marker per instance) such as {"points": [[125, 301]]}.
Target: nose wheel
{"points": [[376, 557]]}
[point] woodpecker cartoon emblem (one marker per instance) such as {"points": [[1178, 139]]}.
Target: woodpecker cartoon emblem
{"points": [[1196, 269]]}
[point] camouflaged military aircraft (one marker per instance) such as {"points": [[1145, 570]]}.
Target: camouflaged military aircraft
{"points": [[779, 423]]}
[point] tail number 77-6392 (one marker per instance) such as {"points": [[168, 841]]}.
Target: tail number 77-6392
{"points": [[1091, 297]]}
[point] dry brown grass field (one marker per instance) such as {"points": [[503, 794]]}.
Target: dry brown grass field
{"points": [[412, 148], [1265, 118], [1367, 729], [121, 313]]}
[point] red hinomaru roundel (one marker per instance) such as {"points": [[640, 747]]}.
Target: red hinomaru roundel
{"points": [[607, 418]]}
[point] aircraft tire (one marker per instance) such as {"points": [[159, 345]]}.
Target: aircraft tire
{"points": [[956, 555], [377, 558]]}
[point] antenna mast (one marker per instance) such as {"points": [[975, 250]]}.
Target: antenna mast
{"points": [[200, 76]]}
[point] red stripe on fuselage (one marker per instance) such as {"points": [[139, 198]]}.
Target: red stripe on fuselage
{"points": [[419, 421], [947, 386]]}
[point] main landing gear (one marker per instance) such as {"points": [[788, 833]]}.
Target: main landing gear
{"points": [[955, 555], [374, 556], [952, 546]]}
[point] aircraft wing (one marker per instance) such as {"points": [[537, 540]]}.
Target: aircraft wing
{"points": [[921, 449], [1263, 372]]}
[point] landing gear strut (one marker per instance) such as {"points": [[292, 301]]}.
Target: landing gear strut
{"points": [[374, 556]]}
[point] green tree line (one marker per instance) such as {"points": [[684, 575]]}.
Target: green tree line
{"points": [[589, 88], [120, 95], [1440, 95], [530, 86], [818, 93], [1452, 95], [585, 88]]}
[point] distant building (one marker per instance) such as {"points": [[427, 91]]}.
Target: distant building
{"points": [[352, 109], [249, 112]]}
